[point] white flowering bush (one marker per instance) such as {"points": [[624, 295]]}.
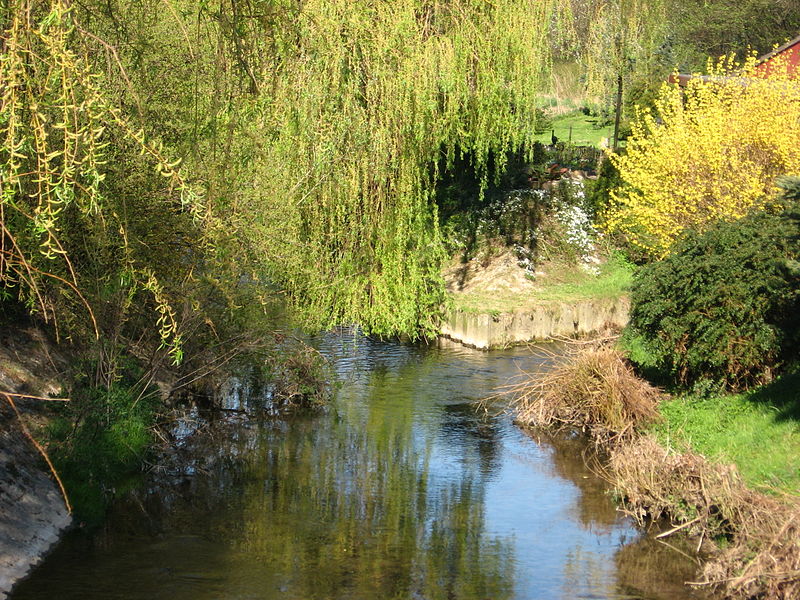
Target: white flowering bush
{"points": [[537, 224], [571, 212], [506, 216], [526, 259]]}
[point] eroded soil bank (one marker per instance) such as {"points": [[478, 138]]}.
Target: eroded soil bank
{"points": [[32, 510], [496, 302]]}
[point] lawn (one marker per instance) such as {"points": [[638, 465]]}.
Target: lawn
{"points": [[759, 431], [584, 130]]}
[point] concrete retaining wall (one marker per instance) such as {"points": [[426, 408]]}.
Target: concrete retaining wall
{"points": [[555, 319]]}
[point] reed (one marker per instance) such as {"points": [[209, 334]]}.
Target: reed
{"points": [[592, 388]]}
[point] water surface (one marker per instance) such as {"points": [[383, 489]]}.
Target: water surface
{"points": [[399, 490]]}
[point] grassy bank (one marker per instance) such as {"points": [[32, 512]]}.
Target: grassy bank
{"points": [[612, 280], [721, 469], [557, 282], [758, 431]]}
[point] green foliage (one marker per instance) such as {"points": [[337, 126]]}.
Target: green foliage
{"points": [[790, 187], [712, 28], [623, 40], [342, 202], [598, 194], [638, 351], [507, 211], [315, 129], [316, 132], [723, 306], [757, 430], [543, 121], [74, 191], [97, 443]]}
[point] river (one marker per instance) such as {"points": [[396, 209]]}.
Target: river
{"points": [[400, 489]]}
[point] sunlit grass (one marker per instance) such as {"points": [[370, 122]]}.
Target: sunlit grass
{"points": [[584, 131], [759, 431], [561, 283], [613, 281]]}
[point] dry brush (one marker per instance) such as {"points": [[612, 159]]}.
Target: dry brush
{"points": [[752, 539]]}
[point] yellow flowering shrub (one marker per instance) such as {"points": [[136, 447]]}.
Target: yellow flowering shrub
{"points": [[709, 152]]}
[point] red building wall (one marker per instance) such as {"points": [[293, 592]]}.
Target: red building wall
{"points": [[789, 52]]}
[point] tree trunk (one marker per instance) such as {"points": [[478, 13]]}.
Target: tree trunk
{"points": [[619, 112]]}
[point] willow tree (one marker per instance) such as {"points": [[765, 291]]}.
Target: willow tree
{"points": [[354, 117], [67, 240], [621, 42], [315, 131]]}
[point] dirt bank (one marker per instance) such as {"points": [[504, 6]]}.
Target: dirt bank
{"points": [[497, 303], [32, 511]]}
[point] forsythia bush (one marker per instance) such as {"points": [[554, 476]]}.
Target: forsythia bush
{"points": [[710, 151]]}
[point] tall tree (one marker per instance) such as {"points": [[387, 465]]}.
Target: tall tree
{"points": [[313, 130]]}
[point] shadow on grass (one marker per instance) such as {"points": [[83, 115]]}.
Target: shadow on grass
{"points": [[783, 395]]}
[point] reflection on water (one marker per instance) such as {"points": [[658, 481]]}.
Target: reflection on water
{"points": [[400, 490]]}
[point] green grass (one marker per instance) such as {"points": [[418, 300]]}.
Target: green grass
{"points": [[584, 132], [490, 304], [563, 283], [613, 281], [97, 443], [759, 431]]}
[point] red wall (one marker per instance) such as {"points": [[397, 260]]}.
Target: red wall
{"points": [[793, 53]]}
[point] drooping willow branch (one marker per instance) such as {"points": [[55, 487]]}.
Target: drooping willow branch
{"points": [[9, 398], [55, 120]]}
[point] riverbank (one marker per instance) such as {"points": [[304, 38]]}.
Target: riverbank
{"points": [[400, 490], [102, 441], [497, 302], [33, 514], [749, 536]]}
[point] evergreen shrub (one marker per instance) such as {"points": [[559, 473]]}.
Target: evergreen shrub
{"points": [[722, 308]]}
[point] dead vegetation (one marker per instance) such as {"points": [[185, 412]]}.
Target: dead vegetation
{"points": [[752, 540], [768, 545], [591, 388], [300, 376]]}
